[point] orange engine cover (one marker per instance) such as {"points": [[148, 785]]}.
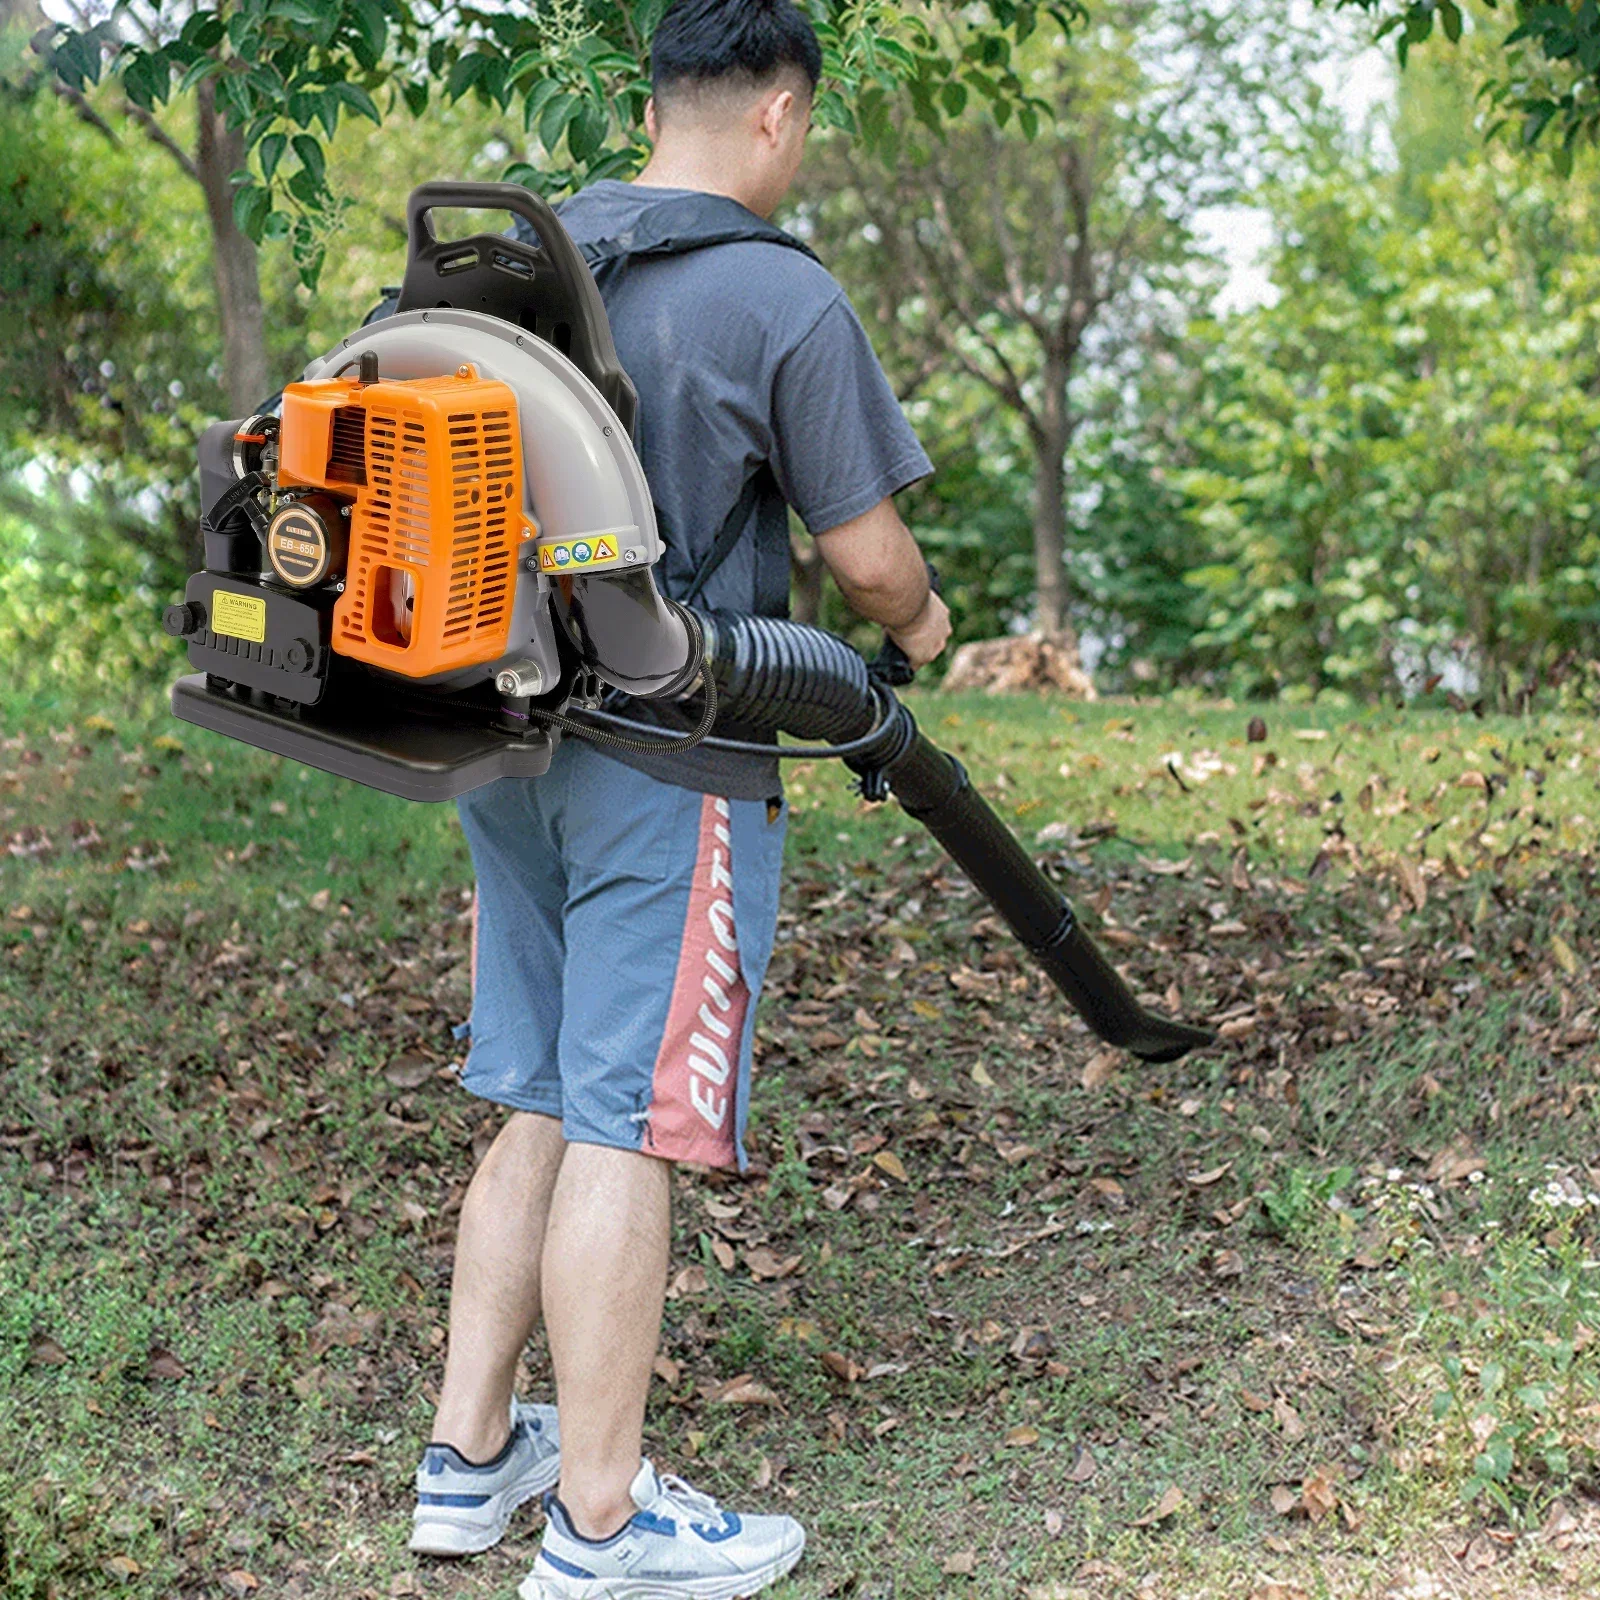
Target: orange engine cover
{"points": [[434, 468]]}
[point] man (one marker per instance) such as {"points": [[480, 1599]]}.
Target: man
{"points": [[628, 902]]}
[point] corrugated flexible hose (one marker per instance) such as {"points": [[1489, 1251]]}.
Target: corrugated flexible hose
{"points": [[799, 680]]}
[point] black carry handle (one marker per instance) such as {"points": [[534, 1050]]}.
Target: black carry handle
{"points": [[546, 287], [892, 666]]}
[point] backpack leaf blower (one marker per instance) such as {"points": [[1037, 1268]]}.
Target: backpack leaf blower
{"points": [[429, 562]]}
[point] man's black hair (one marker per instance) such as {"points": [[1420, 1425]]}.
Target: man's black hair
{"points": [[707, 43]]}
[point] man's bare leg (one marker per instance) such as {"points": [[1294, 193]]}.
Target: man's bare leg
{"points": [[605, 1276], [494, 1296]]}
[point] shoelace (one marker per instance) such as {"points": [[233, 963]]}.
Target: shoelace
{"points": [[696, 1505]]}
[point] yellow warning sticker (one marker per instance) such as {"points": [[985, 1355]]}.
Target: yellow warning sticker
{"points": [[574, 553], [239, 616]]}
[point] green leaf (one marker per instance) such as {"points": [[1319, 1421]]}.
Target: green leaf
{"points": [[271, 153], [553, 122], [415, 91], [538, 98], [328, 111], [202, 69], [147, 78], [953, 96], [311, 157], [359, 101], [1537, 118], [251, 203], [305, 189], [587, 131], [465, 75], [372, 28]]}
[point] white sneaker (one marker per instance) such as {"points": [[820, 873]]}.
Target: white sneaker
{"points": [[679, 1543], [463, 1509]]}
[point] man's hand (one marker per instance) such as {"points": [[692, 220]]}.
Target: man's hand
{"points": [[881, 573], [924, 639]]}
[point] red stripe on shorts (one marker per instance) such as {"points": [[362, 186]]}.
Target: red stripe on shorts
{"points": [[695, 1088]]}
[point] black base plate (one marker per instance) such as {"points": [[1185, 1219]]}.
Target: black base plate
{"points": [[387, 746]]}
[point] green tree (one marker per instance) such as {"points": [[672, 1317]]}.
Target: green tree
{"points": [[1396, 463], [1035, 259], [1549, 74], [269, 81]]}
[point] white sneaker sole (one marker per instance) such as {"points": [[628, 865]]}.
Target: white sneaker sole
{"points": [[723, 1586], [435, 1533]]}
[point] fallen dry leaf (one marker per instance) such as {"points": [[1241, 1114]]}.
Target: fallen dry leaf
{"points": [[842, 1367], [1169, 1503], [1285, 1500], [1084, 1468], [765, 1265], [43, 1351], [692, 1280], [1054, 1522], [888, 1161], [745, 1390], [667, 1370], [1412, 881], [723, 1251], [409, 1071], [1559, 1526], [1565, 959], [1319, 1497], [1288, 1419], [961, 1565], [163, 1364], [123, 1567], [1018, 1437], [1204, 1180], [240, 1583], [1098, 1069]]}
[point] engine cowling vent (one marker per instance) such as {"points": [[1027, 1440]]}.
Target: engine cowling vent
{"points": [[437, 521]]}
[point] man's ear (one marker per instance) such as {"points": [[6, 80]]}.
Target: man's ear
{"points": [[652, 121], [780, 109]]}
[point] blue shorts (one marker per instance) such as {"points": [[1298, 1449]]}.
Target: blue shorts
{"points": [[622, 932]]}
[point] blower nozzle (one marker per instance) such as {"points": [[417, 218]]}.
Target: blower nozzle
{"points": [[794, 679]]}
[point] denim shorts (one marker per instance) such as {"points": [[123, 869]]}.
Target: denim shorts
{"points": [[622, 932]]}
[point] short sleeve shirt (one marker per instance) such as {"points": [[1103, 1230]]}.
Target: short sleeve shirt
{"points": [[746, 356]]}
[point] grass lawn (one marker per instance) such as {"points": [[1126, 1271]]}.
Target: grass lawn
{"points": [[998, 1312]]}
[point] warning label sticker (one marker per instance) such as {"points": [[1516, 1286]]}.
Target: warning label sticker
{"points": [[574, 553], [239, 616]]}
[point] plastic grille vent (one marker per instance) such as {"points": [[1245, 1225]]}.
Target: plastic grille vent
{"points": [[436, 529], [481, 478], [347, 450]]}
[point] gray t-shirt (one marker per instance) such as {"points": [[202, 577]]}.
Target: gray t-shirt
{"points": [[746, 356]]}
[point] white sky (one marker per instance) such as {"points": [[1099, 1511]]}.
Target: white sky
{"points": [[1242, 234]]}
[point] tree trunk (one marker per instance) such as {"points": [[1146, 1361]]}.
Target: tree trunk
{"points": [[805, 595], [219, 153], [1052, 433]]}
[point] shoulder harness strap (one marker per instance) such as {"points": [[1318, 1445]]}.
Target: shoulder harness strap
{"points": [[678, 227]]}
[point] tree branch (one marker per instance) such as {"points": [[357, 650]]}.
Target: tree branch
{"points": [[83, 110], [159, 135]]}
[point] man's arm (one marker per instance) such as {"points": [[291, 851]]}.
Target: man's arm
{"points": [[881, 573]]}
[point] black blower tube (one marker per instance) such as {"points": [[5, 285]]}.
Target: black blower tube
{"points": [[798, 680]]}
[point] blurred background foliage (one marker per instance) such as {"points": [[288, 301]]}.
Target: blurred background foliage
{"points": [[1377, 478]]}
